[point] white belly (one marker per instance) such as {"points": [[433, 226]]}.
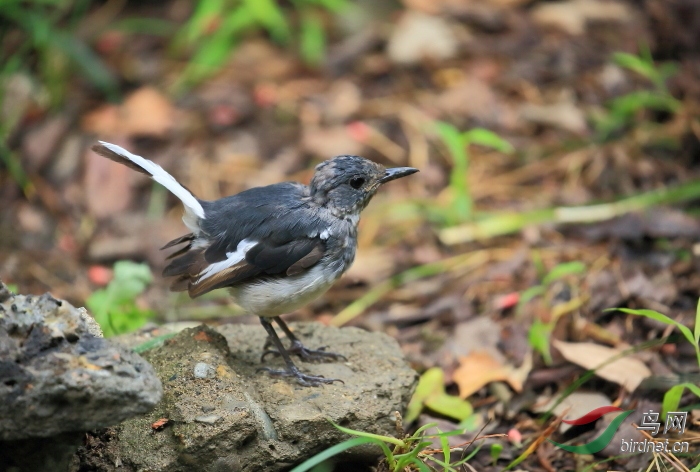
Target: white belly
{"points": [[280, 296]]}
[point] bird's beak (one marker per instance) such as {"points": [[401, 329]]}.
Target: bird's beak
{"points": [[396, 173]]}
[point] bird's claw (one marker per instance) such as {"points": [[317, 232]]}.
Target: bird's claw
{"points": [[305, 380], [308, 355]]}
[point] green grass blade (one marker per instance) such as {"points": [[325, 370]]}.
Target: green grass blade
{"points": [[447, 467], [376, 437], [655, 315], [420, 465], [562, 270], [87, 61], [672, 397], [487, 138], [498, 224], [452, 138], [153, 343], [470, 456], [330, 452], [697, 325], [444, 442], [425, 427]]}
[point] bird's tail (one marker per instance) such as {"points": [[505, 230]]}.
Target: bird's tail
{"points": [[193, 208]]}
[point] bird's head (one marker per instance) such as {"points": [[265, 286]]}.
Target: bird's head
{"points": [[346, 184]]}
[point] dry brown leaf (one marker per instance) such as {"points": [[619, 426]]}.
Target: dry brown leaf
{"points": [[108, 188], [626, 371], [103, 121], [146, 112], [574, 406], [479, 369], [371, 265], [573, 15]]}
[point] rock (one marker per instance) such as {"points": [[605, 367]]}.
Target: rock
{"points": [[418, 36], [59, 376], [244, 420]]}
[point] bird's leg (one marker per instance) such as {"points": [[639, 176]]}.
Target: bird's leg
{"points": [[298, 348], [291, 370]]}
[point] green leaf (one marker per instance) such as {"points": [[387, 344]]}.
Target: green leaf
{"points": [[672, 397], [268, 14], [487, 138], [332, 451], [331, 5], [459, 184], [472, 423], [114, 307], [697, 325], [626, 106], [431, 382], [530, 293], [313, 39], [199, 25], [450, 406], [538, 336], [636, 64], [562, 270], [430, 392], [495, 452]]}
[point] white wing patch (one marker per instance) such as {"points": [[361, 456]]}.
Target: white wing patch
{"points": [[232, 258], [192, 205]]}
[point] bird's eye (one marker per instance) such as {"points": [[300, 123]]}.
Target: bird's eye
{"points": [[357, 182]]}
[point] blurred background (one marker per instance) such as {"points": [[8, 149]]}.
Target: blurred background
{"points": [[558, 143]]}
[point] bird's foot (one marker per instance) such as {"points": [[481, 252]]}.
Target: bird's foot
{"points": [[308, 355], [305, 380]]}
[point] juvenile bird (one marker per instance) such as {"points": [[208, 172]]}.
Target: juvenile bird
{"points": [[276, 248]]}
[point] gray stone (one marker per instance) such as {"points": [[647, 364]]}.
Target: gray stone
{"points": [[56, 375], [258, 422], [202, 370]]}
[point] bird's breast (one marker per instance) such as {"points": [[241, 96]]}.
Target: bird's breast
{"points": [[276, 296]]}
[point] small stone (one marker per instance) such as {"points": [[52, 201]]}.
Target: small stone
{"points": [[207, 419], [224, 372], [208, 408], [203, 371]]}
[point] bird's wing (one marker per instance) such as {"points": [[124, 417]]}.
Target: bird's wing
{"points": [[267, 231]]}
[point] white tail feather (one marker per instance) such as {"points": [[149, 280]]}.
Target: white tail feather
{"points": [[192, 205]]}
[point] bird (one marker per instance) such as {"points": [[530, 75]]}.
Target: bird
{"points": [[275, 248]]}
